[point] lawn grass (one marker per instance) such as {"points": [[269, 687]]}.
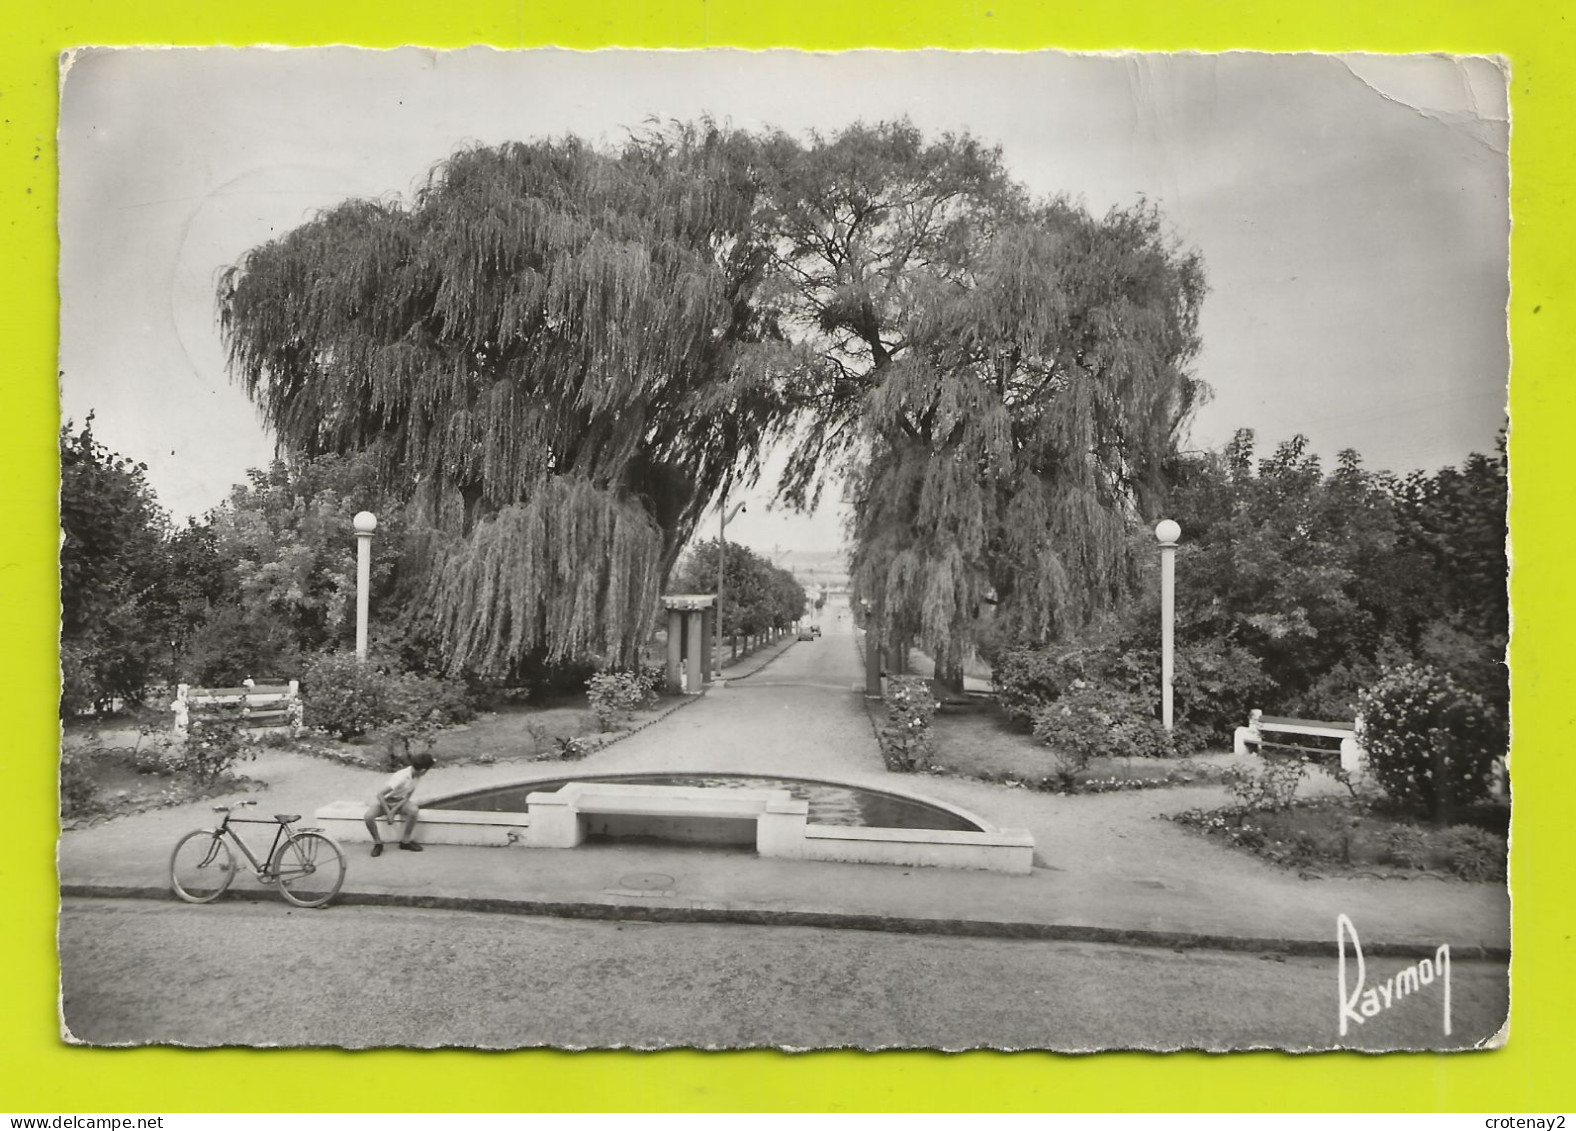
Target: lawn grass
{"points": [[982, 742]]}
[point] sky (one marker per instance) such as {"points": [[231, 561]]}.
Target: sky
{"points": [[1351, 213]]}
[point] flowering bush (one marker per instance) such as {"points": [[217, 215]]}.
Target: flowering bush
{"points": [[1268, 788], [1430, 744], [614, 694], [211, 749], [1087, 722], [906, 737]]}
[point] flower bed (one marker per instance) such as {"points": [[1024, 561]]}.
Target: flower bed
{"points": [[1346, 836], [1113, 776], [99, 781]]}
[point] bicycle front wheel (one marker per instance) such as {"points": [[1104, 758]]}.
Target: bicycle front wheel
{"points": [[310, 869], [201, 867]]}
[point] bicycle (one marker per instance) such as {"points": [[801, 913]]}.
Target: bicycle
{"points": [[202, 866]]}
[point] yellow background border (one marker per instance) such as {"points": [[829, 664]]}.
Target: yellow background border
{"points": [[37, 1072]]}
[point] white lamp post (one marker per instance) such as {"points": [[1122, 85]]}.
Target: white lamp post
{"points": [[1167, 533], [365, 523]]}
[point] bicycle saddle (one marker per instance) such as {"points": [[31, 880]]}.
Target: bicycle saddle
{"points": [[286, 818]]}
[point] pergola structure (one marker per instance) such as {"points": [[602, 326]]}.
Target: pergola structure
{"points": [[690, 626]]}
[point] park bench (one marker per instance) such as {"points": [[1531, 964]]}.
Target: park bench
{"points": [[252, 706], [1340, 738]]}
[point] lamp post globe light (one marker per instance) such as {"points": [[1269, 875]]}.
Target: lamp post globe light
{"points": [[364, 524], [1167, 533]]}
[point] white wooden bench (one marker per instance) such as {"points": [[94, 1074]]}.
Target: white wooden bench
{"points": [[253, 706], [1254, 738]]}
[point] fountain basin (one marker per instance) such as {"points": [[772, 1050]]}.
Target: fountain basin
{"points": [[764, 812], [831, 803]]}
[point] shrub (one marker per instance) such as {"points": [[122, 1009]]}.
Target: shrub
{"points": [[444, 702], [345, 696], [406, 734], [76, 784], [1215, 683], [1089, 722], [232, 646], [348, 698], [1027, 680], [419, 707], [1472, 853], [79, 689], [906, 737], [1431, 745], [614, 695], [1335, 694], [1405, 846], [1268, 788], [211, 750], [153, 753], [570, 748]]}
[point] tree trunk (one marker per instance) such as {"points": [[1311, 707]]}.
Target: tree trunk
{"points": [[897, 659], [949, 669]]}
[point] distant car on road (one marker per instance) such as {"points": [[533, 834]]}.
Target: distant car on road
{"points": [[808, 633]]}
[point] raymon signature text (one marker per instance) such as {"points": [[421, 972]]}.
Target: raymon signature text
{"points": [[1359, 1001]]}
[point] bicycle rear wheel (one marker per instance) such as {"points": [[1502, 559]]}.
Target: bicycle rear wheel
{"points": [[310, 869], [201, 867]]}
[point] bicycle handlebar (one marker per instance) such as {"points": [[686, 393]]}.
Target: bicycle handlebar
{"points": [[237, 805]]}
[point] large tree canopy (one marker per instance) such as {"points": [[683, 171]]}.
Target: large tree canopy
{"points": [[538, 314], [757, 595], [622, 332], [114, 574], [1003, 379]]}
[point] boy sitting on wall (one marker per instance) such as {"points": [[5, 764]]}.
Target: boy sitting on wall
{"points": [[397, 798]]}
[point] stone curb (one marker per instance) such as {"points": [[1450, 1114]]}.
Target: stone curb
{"points": [[831, 920]]}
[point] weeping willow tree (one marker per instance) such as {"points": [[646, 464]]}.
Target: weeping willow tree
{"points": [[567, 571], [1002, 381], [559, 355], [554, 352]]}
